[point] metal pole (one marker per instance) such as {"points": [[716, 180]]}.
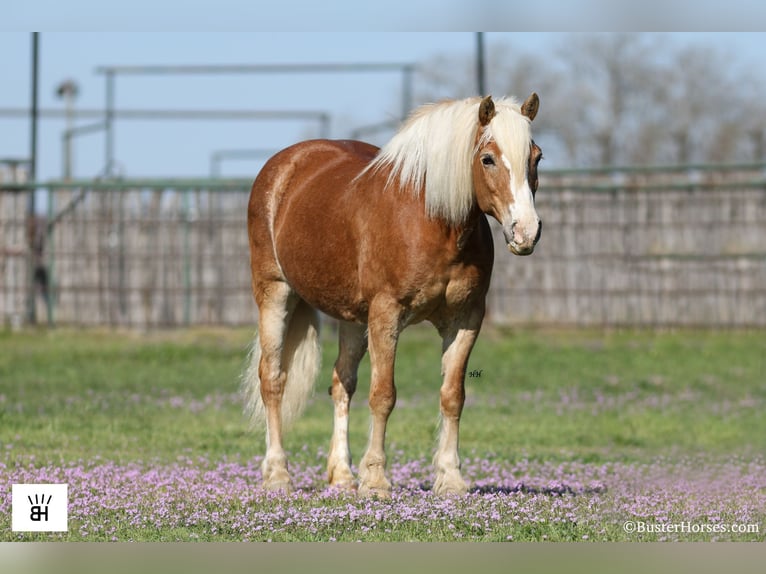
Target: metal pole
{"points": [[315, 68], [34, 107], [109, 116], [67, 91], [31, 206], [168, 114], [406, 91], [324, 126], [69, 101], [480, 76], [215, 165]]}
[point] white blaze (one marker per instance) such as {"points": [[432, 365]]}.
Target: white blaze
{"points": [[522, 210]]}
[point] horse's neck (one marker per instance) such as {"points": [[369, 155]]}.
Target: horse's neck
{"points": [[466, 230]]}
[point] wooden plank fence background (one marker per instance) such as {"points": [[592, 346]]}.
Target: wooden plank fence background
{"points": [[652, 247]]}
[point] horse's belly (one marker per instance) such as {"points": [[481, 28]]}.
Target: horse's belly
{"points": [[325, 280], [336, 303]]}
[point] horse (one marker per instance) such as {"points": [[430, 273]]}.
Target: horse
{"points": [[381, 239]]}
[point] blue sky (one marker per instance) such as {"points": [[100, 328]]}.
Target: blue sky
{"points": [[183, 148], [404, 15], [175, 148]]}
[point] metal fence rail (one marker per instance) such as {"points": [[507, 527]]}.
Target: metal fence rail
{"points": [[650, 247]]}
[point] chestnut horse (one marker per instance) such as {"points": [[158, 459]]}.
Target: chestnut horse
{"points": [[382, 239]]}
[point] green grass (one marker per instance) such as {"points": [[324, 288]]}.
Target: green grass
{"points": [[547, 400], [71, 395], [584, 395]]}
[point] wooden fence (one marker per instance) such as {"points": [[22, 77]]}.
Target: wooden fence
{"points": [[653, 247], [145, 254], [657, 248]]}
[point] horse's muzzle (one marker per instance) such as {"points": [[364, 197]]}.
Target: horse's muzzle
{"points": [[520, 241]]}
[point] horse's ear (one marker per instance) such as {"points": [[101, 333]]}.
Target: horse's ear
{"points": [[530, 106], [486, 111]]}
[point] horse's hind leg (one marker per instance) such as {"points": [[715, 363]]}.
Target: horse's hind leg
{"points": [[458, 340], [275, 311], [353, 345]]}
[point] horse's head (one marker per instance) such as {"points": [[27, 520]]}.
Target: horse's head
{"points": [[505, 171]]}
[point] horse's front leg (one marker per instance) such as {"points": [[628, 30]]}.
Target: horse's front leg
{"points": [[458, 340], [353, 345], [383, 335]]}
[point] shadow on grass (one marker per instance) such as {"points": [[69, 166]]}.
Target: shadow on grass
{"points": [[522, 488]]}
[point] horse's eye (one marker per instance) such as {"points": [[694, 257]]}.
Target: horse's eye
{"points": [[487, 160]]}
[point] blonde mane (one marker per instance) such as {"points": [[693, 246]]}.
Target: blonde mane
{"points": [[433, 152]]}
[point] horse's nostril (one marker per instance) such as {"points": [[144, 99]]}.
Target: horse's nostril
{"points": [[539, 230]]}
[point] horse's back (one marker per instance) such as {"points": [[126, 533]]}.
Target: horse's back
{"points": [[314, 156], [304, 164]]}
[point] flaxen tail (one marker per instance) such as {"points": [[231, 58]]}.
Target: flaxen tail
{"points": [[301, 358]]}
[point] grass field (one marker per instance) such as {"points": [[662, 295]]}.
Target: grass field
{"points": [[566, 435]]}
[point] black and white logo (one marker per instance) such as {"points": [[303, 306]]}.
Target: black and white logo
{"points": [[39, 507]]}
